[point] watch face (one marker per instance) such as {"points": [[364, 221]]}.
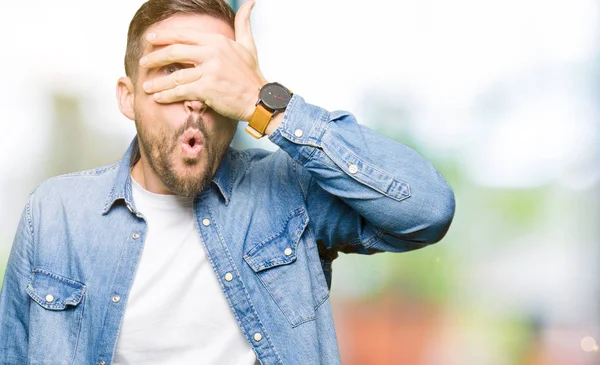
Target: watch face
{"points": [[275, 96]]}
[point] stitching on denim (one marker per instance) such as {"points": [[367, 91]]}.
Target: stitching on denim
{"points": [[308, 145], [382, 172], [109, 199], [288, 314], [371, 241], [366, 183], [326, 120], [82, 305], [322, 301], [296, 212], [29, 218], [101, 333], [220, 279], [73, 283], [310, 239], [305, 142], [79, 288], [249, 256], [285, 313], [90, 172]]}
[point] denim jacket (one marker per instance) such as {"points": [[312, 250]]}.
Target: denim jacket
{"points": [[272, 222]]}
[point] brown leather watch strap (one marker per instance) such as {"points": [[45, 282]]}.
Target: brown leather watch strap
{"points": [[259, 121]]}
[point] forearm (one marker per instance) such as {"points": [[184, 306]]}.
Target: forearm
{"points": [[387, 183]]}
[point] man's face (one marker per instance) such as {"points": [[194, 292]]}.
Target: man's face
{"points": [[183, 142]]}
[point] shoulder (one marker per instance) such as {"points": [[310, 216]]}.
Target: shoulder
{"points": [[79, 178], [80, 187]]}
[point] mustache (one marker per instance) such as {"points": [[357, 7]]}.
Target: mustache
{"points": [[193, 121]]}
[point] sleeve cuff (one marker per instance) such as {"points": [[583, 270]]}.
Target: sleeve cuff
{"points": [[301, 130]]}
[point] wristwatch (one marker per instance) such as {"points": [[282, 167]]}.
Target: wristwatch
{"points": [[273, 98]]}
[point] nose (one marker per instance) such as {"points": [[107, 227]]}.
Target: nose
{"points": [[194, 106]]}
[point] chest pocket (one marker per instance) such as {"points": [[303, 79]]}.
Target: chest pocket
{"points": [[288, 265], [56, 311]]}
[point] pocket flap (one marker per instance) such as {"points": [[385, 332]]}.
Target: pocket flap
{"points": [[54, 292], [279, 249]]}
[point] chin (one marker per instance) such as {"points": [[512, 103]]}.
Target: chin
{"points": [[185, 172]]}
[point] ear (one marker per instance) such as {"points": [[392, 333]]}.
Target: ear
{"points": [[126, 96]]}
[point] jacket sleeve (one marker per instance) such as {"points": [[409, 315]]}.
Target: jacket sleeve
{"points": [[364, 192], [14, 300]]}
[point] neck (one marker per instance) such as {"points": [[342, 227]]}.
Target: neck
{"points": [[147, 177]]}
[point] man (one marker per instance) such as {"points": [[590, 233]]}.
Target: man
{"points": [[190, 252]]}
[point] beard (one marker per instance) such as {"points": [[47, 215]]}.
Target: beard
{"points": [[159, 149]]}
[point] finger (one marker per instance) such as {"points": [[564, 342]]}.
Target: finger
{"points": [[177, 78], [179, 35], [243, 29], [175, 53], [179, 93]]}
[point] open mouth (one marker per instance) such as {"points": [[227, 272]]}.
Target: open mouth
{"points": [[192, 143]]}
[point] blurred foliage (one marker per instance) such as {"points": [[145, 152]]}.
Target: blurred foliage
{"points": [[519, 208], [424, 274], [486, 219], [513, 336]]}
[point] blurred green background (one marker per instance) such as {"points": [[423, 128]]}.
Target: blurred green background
{"points": [[502, 96]]}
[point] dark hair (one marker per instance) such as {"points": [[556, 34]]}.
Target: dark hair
{"points": [[154, 11]]}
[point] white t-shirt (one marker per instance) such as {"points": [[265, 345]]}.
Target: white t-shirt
{"points": [[176, 313]]}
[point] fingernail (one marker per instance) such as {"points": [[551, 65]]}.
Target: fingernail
{"points": [[151, 36], [147, 85], [144, 61], [156, 96]]}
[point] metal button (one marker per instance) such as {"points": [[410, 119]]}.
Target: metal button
{"points": [[228, 276], [353, 169], [257, 337], [206, 222], [136, 236], [116, 299], [101, 362], [298, 133], [287, 251], [49, 298]]}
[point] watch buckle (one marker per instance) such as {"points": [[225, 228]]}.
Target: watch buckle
{"points": [[253, 132]]}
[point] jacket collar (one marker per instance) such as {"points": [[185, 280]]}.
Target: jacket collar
{"points": [[121, 187]]}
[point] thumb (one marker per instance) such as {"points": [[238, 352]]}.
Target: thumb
{"points": [[243, 30]]}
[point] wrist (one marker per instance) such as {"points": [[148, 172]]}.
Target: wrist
{"points": [[271, 104], [274, 123], [251, 100]]}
